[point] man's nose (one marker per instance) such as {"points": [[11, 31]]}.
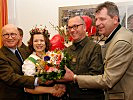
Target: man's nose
{"points": [[10, 37], [98, 22]]}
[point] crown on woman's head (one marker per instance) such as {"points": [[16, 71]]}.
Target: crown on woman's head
{"points": [[40, 29]]}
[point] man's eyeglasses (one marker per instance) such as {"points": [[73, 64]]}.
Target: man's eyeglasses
{"points": [[75, 27], [13, 35]]}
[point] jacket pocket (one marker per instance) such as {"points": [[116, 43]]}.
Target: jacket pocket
{"points": [[116, 96]]}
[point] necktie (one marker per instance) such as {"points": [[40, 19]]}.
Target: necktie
{"points": [[18, 56]]}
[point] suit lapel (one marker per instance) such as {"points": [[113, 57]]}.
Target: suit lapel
{"points": [[24, 53], [9, 54], [109, 43]]}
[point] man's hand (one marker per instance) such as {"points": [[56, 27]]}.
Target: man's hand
{"points": [[58, 90], [69, 75]]}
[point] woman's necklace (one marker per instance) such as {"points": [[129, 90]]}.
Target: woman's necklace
{"points": [[40, 54]]}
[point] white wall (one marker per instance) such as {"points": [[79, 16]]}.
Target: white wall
{"points": [[28, 13]]}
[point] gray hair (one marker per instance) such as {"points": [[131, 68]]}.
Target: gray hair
{"points": [[81, 18]]}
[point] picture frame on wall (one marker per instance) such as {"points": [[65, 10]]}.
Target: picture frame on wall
{"points": [[66, 12]]}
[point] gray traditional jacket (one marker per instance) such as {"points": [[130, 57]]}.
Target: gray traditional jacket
{"points": [[117, 79]]}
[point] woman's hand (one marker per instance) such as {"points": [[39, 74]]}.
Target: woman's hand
{"points": [[57, 90]]}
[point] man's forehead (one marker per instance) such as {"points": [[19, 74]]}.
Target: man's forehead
{"points": [[9, 26], [75, 20]]}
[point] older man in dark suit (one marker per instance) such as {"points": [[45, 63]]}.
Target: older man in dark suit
{"points": [[12, 80]]}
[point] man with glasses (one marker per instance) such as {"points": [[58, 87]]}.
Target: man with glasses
{"points": [[86, 59], [12, 80]]}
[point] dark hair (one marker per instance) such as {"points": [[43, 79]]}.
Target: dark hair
{"points": [[111, 8], [20, 31], [46, 38]]}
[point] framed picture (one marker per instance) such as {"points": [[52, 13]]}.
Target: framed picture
{"points": [[66, 12], [130, 17], [125, 11]]}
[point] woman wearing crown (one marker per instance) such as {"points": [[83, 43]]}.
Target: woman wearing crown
{"points": [[39, 44]]}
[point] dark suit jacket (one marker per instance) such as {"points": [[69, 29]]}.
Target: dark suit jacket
{"points": [[24, 47], [12, 81]]}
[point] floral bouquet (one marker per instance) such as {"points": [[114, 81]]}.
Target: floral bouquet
{"points": [[51, 67]]}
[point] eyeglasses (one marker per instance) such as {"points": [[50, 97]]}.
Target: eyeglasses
{"points": [[13, 35], [75, 27]]}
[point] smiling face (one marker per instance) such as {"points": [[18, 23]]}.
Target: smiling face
{"points": [[76, 28], [105, 24], [10, 36], [39, 43]]}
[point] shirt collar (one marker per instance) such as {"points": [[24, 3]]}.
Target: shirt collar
{"points": [[113, 33], [80, 43], [13, 50]]}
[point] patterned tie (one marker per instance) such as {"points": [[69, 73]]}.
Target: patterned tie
{"points": [[18, 56]]}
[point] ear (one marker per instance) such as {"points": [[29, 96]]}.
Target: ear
{"points": [[21, 36], [115, 18]]}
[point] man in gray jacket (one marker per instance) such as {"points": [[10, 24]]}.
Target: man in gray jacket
{"points": [[118, 58]]}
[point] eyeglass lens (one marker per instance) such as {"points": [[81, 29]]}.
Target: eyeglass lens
{"points": [[75, 27], [13, 35]]}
